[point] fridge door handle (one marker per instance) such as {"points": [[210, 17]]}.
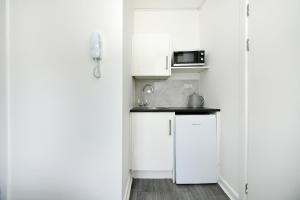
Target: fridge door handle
{"points": [[196, 124]]}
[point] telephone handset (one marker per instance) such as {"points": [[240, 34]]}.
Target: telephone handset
{"points": [[96, 53]]}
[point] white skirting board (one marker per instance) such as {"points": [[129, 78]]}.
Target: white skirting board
{"points": [[152, 174], [128, 189], [231, 193]]}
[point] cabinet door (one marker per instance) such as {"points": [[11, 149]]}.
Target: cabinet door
{"points": [[152, 141], [151, 55]]}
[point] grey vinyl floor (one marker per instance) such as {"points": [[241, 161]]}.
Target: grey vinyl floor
{"points": [[164, 189]]}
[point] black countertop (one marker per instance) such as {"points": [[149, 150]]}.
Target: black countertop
{"points": [[177, 110]]}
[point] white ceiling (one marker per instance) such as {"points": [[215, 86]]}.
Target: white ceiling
{"points": [[168, 4]]}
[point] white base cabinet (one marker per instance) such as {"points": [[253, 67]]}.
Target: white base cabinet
{"points": [[152, 142]]}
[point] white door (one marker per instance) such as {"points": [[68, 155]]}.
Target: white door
{"points": [[274, 100], [151, 55], [152, 135], [196, 149]]}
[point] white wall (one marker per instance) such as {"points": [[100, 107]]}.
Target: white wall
{"points": [[66, 126], [128, 84], [168, 4], [3, 102], [220, 36], [181, 24], [274, 108]]}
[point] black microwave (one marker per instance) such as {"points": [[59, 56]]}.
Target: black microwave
{"points": [[188, 58]]}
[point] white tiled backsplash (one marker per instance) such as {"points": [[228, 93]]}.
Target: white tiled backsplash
{"points": [[167, 93]]}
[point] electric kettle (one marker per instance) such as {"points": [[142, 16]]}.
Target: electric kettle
{"points": [[195, 101]]}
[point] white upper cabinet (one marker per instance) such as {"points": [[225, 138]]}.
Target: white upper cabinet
{"points": [[151, 56]]}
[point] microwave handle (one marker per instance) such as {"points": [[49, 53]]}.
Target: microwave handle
{"points": [[167, 62]]}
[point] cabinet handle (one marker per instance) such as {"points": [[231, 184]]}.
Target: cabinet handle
{"points": [[167, 62], [170, 127]]}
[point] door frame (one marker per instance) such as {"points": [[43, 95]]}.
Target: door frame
{"points": [[243, 124]]}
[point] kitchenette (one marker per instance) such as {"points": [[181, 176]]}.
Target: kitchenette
{"points": [[175, 135]]}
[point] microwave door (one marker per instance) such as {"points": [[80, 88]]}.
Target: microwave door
{"points": [[184, 57]]}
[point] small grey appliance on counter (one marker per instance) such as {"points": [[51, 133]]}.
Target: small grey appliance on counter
{"points": [[195, 101]]}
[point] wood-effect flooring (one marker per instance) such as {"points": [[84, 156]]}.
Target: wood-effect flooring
{"points": [[164, 189]]}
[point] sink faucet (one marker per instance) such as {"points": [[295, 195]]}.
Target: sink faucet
{"points": [[147, 90]]}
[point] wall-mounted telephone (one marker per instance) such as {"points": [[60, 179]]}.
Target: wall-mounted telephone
{"points": [[96, 53]]}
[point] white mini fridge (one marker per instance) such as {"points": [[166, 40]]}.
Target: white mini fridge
{"points": [[196, 149]]}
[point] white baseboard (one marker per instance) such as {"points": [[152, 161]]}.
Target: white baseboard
{"points": [[231, 193], [152, 174], [128, 189]]}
